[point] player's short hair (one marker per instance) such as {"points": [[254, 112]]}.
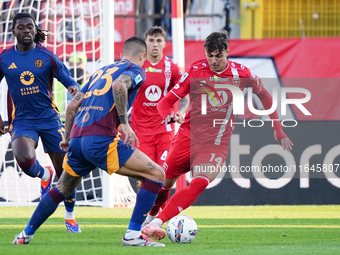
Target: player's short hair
{"points": [[40, 36], [217, 41], [134, 45], [156, 30]]}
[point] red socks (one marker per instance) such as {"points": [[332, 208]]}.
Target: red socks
{"points": [[161, 200], [184, 198]]}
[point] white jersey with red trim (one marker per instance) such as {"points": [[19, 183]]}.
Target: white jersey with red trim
{"points": [[211, 116], [160, 78]]}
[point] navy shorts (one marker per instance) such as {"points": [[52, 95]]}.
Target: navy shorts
{"points": [[51, 132], [88, 152]]}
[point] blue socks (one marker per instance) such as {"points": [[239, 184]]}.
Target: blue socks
{"points": [[47, 205], [146, 196], [32, 168], [70, 201]]}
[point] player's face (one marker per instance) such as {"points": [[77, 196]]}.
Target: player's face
{"points": [[217, 60], [25, 31], [155, 45]]}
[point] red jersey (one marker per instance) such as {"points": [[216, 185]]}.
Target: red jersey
{"points": [[160, 78], [211, 100]]}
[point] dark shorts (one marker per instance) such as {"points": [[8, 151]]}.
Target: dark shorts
{"points": [[51, 132], [88, 152]]}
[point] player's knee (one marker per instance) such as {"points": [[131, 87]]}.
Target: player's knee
{"points": [[159, 174]]}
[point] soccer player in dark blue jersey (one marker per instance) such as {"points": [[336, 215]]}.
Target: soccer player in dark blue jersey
{"points": [[29, 69], [93, 118]]}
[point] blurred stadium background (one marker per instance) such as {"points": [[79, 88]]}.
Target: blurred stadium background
{"points": [[287, 43]]}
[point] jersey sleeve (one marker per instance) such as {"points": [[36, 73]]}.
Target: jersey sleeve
{"points": [[138, 77], [180, 90], [61, 72]]}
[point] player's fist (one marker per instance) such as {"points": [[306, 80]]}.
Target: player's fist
{"points": [[64, 145]]}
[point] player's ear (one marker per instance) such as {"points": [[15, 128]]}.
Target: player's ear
{"points": [[142, 56], [227, 51]]}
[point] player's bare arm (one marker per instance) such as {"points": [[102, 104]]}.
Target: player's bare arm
{"points": [[183, 106], [2, 126], [71, 112], [285, 142], [120, 94]]}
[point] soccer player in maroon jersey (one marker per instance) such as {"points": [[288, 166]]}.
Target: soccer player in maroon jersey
{"points": [[162, 74], [92, 140], [199, 146], [29, 69]]}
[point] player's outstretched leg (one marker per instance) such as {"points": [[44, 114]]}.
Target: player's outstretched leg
{"points": [[178, 202], [47, 205]]}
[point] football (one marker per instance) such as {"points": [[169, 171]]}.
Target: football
{"points": [[181, 229]]}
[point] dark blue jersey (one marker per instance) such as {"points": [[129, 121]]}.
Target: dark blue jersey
{"points": [[97, 114], [29, 77]]}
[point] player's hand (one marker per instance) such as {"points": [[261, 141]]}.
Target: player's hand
{"points": [[285, 142], [180, 117], [64, 145], [73, 90], [2, 126], [171, 118], [130, 136]]}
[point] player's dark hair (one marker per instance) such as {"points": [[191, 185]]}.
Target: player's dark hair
{"points": [[40, 36], [134, 45], [156, 30], [217, 41]]}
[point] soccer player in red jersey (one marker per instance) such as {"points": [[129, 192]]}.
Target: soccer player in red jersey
{"points": [[29, 69], [198, 146], [162, 74]]}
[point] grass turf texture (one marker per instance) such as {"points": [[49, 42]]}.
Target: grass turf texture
{"points": [[221, 230]]}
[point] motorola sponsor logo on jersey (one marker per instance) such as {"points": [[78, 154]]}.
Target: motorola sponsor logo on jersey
{"points": [[153, 93]]}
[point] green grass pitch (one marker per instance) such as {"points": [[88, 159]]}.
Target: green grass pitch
{"points": [[221, 230]]}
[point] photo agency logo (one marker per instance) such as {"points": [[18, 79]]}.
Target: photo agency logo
{"points": [[220, 97]]}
